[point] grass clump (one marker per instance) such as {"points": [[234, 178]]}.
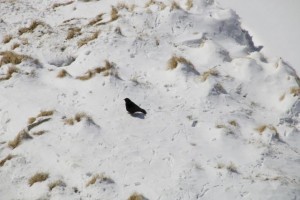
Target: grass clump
{"points": [[79, 116], [102, 179], [84, 41], [69, 121], [88, 75], [56, 5], [31, 120], [7, 158], [23, 135], [106, 70], [260, 129], [175, 60], [175, 6], [62, 73], [211, 72], [96, 20], [189, 4], [11, 57], [7, 39], [73, 32], [39, 132], [11, 70], [31, 28], [38, 177], [45, 113], [233, 123], [295, 91], [14, 46], [114, 15], [136, 196], [58, 183]]}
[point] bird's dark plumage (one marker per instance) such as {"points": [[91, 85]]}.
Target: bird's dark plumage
{"points": [[132, 107]]}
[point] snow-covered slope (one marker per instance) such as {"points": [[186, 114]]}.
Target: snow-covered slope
{"points": [[222, 118]]}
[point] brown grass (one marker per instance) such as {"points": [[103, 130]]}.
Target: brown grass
{"points": [[295, 91], [45, 113], [31, 120], [7, 39], [261, 129], [84, 41], [31, 28], [39, 132], [102, 178], [92, 180], [88, 75], [233, 123], [79, 116], [221, 126], [62, 73], [8, 157], [211, 72], [114, 14], [11, 57], [97, 19], [14, 46], [189, 4], [173, 62], [106, 70], [56, 5], [73, 32], [22, 135], [175, 6], [38, 177], [55, 184], [136, 196], [9, 73], [69, 121]]}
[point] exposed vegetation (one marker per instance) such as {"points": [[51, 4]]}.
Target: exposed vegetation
{"points": [[7, 158], [56, 5], [10, 71], [136, 196], [84, 41], [211, 72], [22, 135], [31, 28], [189, 4], [38, 177], [73, 32], [96, 20], [45, 113], [7, 39], [58, 183], [295, 91], [12, 57], [175, 60], [62, 73]]}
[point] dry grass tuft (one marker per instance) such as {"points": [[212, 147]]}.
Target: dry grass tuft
{"points": [[136, 196], [56, 5], [31, 28], [97, 19], [45, 113], [106, 70], [14, 46], [221, 126], [233, 123], [189, 4], [295, 91], [8, 157], [102, 179], [39, 132], [62, 73], [175, 6], [114, 14], [84, 41], [7, 39], [23, 135], [79, 116], [69, 121], [153, 2], [31, 120], [73, 32], [54, 184], [173, 62], [11, 57], [211, 72], [38, 177], [88, 75], [9, 73], [261, 129]]}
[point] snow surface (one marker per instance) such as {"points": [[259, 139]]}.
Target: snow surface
{"points": [[222, 124], [275, 25]]}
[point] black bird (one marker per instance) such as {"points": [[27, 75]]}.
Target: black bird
{"points": [[132, 107]]}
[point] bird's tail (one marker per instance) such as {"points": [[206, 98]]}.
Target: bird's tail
{"points": [[143, 111]]}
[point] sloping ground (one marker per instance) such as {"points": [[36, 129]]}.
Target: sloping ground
{"points": [[222, 119]]}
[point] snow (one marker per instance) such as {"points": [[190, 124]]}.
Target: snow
{"points": [[222, 118], [275, 26]]}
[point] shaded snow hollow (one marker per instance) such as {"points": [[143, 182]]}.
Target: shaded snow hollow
{"points": [[222, 118]]}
